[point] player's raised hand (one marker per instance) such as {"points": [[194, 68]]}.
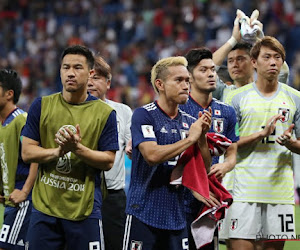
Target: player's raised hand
{"points": [[271, 125], [206, 115], [236, 32]]}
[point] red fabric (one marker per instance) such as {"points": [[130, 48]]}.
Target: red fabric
{"points": [[192, 169], [191, 165]]}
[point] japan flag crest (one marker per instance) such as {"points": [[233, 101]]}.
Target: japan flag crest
{"points": [[284, 112], [218, 125]]}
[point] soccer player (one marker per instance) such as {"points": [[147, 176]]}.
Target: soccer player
{"points": [[17, 178], [263, 191], [155, 209], [113, 207], [203, 83], [239, 63], [73, 142], [241, 72]]}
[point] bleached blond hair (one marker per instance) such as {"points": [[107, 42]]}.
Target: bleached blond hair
{"points": [[160, 69]]}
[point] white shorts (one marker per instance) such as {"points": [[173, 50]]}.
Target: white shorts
{"points": [[262, 221], [224, 225]]}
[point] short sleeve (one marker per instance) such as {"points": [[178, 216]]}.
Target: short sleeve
{"points": [[142, 127], [32, 126]]}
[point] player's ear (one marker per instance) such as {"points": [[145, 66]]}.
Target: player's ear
{"points": [[9, 94], [159, 84], [108, 83], [254, 63]]}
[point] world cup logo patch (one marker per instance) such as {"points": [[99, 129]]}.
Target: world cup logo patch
{"points": [[218, 125], [284, 112], [64, 163]]}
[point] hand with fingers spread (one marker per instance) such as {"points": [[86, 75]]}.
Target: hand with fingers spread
{"points": [[206, 115], [211, 202], [201, 126], [271, 125], [286, 137]]}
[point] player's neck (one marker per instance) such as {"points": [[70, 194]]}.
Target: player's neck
{"points": [[267, 87], [241, 83], [75, 97], [202, 98], [4, 113], [169, 107]]}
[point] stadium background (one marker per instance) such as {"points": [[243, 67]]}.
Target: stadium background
{"points": [[131, 35]]}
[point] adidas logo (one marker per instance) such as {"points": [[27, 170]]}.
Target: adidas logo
{"points": [[163, 130], [20, 243]]}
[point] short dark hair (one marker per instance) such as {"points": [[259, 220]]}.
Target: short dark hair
{"points": [[194, 56], [243, 46], [80, 50], [10, 80]]}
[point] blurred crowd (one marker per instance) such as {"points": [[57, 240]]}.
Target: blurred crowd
{"points": [[131, 35]]}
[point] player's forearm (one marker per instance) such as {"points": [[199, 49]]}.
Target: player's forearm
{"points": [[34, 153], [293, 146], [157, 154], [203, 146], [103, 160], [30, 178], [230, 157], [251, 140], [220, 54]]}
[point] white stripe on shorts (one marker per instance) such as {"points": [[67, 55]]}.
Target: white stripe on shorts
{"points": [[15, 230], [102, 246], [127, 232]]}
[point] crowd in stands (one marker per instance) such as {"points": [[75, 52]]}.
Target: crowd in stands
{"points": [[131, 35]]}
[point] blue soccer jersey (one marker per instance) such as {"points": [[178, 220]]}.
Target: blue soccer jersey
{"points": [[151, 198], [223, 122], [223, 118]]}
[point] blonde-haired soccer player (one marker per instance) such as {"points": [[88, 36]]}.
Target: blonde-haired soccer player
{"points": [[155, 209]]}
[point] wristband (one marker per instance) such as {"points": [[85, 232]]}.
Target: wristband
{"points": [[232, 41]]}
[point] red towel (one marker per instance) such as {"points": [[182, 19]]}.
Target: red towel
{"points": [[191, 165], [204, 225], [192, 169]]}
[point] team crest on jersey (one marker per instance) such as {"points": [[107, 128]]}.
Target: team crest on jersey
{"points": [[234, 224], [218, 125], [136, 245], [285, 112]]}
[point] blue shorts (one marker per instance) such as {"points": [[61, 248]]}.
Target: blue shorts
{"points": [[47, 232], [15, 225], [139, 236]]}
